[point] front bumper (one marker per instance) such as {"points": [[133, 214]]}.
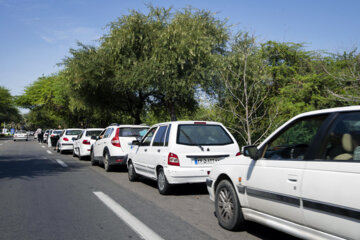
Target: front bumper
{"points": [[210, 188], [118, 160]]}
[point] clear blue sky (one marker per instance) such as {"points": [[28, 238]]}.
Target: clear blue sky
{"points": [[35, 35]]}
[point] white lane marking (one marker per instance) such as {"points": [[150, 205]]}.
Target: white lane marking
{"points": [[48, 151], [140, 228], [43, 146], [61, 163]]}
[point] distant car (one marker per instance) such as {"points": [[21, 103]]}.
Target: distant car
{"points": [[113, 145], [54, 137], [83, 142], [20, 135], [303, 179], [180, 152], [65, 142]]}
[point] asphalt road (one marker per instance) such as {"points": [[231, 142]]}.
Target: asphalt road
{"points": [[45, 195]]}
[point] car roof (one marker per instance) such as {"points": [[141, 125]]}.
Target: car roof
{"points": [[130, 126], [312, 113], [188, 122], [94, 129]]}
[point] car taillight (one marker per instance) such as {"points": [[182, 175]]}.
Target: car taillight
{"points": [[66, 139], [86, 142], [52, 135], [173, 159], [116, 141], [238, 154]]}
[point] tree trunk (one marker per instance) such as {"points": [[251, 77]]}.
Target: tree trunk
{"points": [[172, 112]]}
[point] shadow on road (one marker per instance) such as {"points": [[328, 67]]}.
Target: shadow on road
{"points": [[180, 189], [14, 167]]}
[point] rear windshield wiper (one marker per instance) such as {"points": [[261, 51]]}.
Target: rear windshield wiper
{"points": [[191, 142]]}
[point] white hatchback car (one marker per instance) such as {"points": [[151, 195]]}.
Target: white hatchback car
{"points": [[303, 179], [113, 145], [65, 142], [180, 152], [83, 142]]}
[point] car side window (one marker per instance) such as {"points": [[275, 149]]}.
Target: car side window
{"points": [[343, 138], [167, 136], [160, 137], [108, 132], [294, 141], [148, 137]]}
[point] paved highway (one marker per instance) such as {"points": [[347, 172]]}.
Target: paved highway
{"points": [[45, 195]]}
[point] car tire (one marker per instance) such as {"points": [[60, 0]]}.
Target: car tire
{"points": [[107, 165], [227, 207], [133, 176], [92, 158], [162, 183]]}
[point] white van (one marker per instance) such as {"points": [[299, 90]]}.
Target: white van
{"points": [[180, 152]]}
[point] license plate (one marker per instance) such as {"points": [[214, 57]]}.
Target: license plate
{"points": [[205, 161]]}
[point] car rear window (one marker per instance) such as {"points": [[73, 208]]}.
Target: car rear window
{"points": [[93, 133], [21, 132], [57, 132], [133, 132], [202, 134], [73, 132]]}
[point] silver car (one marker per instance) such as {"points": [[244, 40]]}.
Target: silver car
{"points": [[21, 135]]}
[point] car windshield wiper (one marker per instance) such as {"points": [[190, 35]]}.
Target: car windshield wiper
{"points": [[187, 136]]}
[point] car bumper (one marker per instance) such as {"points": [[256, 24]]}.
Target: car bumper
{"points": [[178, 175], [20, 138], [210, 188], [67, 146], [85, 151], [118, 160]]}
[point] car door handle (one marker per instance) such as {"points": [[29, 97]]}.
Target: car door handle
{"points": [[158, 150], [145, 150], [292, 178]]}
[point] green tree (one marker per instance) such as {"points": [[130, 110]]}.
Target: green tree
{"points": [[8, 110]]}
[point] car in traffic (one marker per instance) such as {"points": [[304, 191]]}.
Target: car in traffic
{"points": [[83, 142], [180, 152], [65, 142], [54, 137], [303, 179], [46, 134], [113, 145], [20, 135]]}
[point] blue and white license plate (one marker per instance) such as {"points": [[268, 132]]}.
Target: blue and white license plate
{"points": [[205, 161]]}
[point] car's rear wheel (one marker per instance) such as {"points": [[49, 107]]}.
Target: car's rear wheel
{"points": [[227, 206], [107, 165], [162, 183], [132, 173], [92, 158]]}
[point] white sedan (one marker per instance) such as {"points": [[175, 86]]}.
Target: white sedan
{"points": [[303, 179], [65, 142], [83, 142], [20, 135]]}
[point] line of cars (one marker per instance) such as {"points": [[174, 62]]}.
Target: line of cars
{"points": [[303, 179]]}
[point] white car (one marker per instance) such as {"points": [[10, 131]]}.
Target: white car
{"points": [[113, 145], [83, 142], [20, 135], [53, 137], [65, 142], [303, 179], [180, 152], [46, 134]]}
